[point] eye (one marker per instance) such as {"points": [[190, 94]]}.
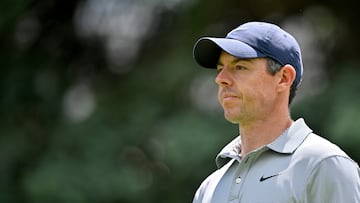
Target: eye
{"points": [[219, 69], [240, 67]]}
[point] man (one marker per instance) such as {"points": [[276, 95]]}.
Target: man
{"points": [[275, 159]]}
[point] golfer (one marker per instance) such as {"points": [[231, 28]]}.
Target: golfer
{"points": [[275, 159]]}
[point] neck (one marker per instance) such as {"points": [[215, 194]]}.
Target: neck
{"points": [[262, 132]]}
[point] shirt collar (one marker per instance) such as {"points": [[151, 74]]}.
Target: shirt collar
{"points": [[230, 151], [287, 143]]}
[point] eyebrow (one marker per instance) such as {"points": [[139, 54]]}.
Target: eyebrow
{"points": [[219, 63]]}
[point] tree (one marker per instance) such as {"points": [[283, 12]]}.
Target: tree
{"points": [[92, 112]]}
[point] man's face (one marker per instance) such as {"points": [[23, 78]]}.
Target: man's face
{"points": [[247, 91]]}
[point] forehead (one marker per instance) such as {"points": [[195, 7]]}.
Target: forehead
{"points": [[229, 59]]}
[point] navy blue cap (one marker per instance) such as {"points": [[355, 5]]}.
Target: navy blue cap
{"points": [[252, 40]]}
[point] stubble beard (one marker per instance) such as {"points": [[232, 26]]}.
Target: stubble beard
{"points": [[238, 115]]}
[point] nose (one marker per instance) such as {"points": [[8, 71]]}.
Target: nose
{"points": [[222, 78]]}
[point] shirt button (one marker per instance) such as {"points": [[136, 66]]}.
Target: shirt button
{"points": [[237, 180]]}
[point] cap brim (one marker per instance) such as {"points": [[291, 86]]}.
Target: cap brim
{"points": [[207, 50]]}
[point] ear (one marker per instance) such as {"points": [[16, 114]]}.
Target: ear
{"points": [[286, 77]]}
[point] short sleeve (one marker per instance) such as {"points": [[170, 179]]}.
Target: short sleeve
{"points": [[335, 179]]}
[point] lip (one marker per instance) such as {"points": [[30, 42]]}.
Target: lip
{"points": [[228, 96]]}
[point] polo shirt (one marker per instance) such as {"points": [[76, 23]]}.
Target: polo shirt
{"points": [[299, 166]]}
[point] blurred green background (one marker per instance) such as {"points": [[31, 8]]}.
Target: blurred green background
{"points": [[101, 101]]}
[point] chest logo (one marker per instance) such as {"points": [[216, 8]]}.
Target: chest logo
{"points": [[262, 178]]}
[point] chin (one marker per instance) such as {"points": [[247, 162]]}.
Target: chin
{"points": [[231, 119]]}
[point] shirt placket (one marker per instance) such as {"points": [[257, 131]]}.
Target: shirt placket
{"points": [[238, 180]]}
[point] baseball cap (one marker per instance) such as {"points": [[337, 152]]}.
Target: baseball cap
{"points": [[252, 40]]}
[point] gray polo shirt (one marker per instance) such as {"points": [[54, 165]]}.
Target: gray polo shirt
{"points": [[298, 166]]}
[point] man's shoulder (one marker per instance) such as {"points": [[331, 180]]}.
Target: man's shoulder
{"points": [[318, 148]]}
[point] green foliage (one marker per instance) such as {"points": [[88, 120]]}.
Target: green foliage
{"points": [[335, 112], [145, 140]]}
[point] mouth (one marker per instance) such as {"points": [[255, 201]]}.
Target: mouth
{"points": [[227, 96]]}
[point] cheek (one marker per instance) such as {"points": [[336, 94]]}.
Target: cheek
{"points": [[260, 91], [266, 93]]}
